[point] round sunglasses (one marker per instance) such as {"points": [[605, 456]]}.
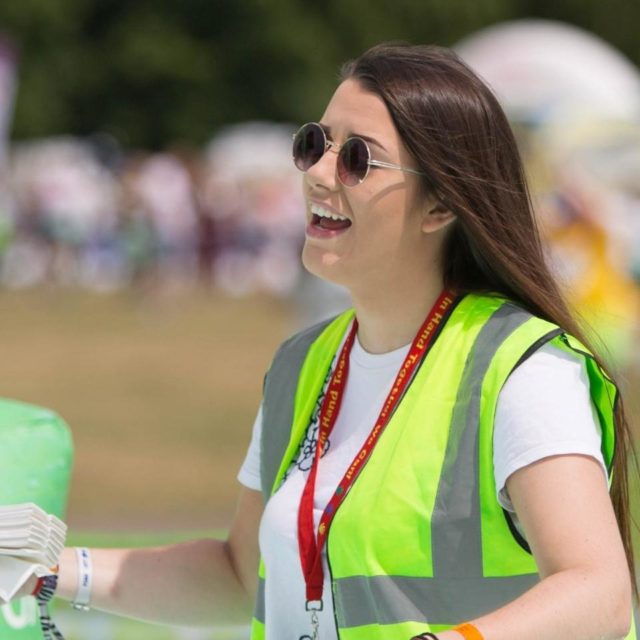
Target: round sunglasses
{"points": [[310, 143]]}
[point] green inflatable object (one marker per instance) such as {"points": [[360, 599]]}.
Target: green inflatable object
{"points": [[36, 454]]}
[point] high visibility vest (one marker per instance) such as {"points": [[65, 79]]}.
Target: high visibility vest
{"points": [[420, 542]]}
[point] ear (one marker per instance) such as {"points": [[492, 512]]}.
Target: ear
{"points": [[435, 217]]}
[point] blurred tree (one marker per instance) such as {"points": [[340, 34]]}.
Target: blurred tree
{"points": [[160, 72]]}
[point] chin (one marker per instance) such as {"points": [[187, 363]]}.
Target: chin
{"points": [[323, 264]]}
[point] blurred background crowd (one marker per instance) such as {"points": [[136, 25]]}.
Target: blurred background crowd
{"points": [[86, 213], [149, 147]]}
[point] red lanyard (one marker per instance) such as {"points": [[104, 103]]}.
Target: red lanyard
{"points": [[311, 547]]}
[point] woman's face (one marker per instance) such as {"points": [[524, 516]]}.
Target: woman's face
{"points": [[380, 235]]}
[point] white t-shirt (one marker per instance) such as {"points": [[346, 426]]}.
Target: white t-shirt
{"points": [[543, 409]]}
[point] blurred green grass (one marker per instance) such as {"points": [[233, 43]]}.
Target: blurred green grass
{"points": [[160, 394]]}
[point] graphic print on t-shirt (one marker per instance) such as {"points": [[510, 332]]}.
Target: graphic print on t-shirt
{"points": [[307, 449]]}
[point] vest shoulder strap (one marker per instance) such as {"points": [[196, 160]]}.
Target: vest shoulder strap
{"points": [[279, 391]]}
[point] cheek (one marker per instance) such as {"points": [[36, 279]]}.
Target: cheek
{"points": [[304, 183], [384, 215]]}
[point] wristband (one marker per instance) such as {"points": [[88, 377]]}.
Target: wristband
{"points": [[427, 635], [468, 631], [82, 599]]}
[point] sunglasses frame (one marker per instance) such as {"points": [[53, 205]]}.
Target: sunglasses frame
{"points": [[334, 146]]}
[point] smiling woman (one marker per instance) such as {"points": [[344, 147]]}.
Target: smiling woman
{"points": [[434, 463], [393, 235]]}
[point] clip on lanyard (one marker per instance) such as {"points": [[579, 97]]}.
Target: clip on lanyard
{"points": [[310, 546]]}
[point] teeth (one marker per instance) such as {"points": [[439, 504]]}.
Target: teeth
{"points": [[324, 213]]}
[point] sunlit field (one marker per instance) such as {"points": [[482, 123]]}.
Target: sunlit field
{"points": [[160, 395]]}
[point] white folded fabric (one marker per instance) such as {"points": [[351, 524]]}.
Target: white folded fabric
{"points": [[14, 572], [31, 541]]}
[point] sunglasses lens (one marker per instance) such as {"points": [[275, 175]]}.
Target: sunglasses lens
{"points": [[308, 146], [353, 162]]}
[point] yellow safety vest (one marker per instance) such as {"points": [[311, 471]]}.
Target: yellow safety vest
{"points": [[420, 542]]}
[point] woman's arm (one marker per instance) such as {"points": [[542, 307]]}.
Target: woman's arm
{"points": [[585, 588], [199, 583]]}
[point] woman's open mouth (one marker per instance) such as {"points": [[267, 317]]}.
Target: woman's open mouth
{"points": [[322, 218]]}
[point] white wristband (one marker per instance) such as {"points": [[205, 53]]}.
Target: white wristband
{"points": [[85, 576]]}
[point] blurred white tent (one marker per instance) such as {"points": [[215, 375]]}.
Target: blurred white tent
{"points": [[578, 101], [252, 150], [252, 189], [545, 70], [579, 93]]}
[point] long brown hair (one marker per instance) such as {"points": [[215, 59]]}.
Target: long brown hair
{"points": [[460, 138]]}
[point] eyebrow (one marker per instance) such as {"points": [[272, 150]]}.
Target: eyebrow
{"points": [[353, 134]]}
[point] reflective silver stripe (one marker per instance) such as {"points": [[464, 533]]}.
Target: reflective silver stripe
{"points": [[362, 600], [456, 542], [279, 395], [258, 612]]}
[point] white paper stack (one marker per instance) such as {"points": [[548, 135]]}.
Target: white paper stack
{"points": [[30, 544]]}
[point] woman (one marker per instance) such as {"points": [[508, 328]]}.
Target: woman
{"points": [[466, 435]]}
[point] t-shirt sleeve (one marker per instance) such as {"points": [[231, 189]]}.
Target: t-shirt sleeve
{"points": [[249, 474], [544, 409]]}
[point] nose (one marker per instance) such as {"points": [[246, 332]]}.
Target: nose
{"points": [[324, 173]]}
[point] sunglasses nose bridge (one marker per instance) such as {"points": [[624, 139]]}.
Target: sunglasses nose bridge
{"points": [[319, 172], [330, 145]]}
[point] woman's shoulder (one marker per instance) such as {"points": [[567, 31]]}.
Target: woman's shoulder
{"points": [[551, 361], [544, 409]]}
